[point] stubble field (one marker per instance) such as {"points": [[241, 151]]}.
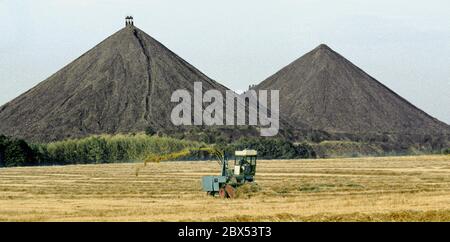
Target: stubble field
{"points": [[412, 188]]}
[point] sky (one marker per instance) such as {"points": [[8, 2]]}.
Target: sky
{"points": [[403, 44]]}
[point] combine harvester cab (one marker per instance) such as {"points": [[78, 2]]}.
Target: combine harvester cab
{"points": [[243, 171]]}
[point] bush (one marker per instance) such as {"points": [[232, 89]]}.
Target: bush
{"points": [[150, 131], [15, 152], [446, 151], [270, 148]]}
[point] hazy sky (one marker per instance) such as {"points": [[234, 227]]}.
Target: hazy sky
{"points": [[403, 44]]}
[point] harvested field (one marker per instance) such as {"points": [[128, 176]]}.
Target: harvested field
{"points": [[410, 188]]}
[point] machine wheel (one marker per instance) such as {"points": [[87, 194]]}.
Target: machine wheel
{"points": [[222, 193], [231, 193]]}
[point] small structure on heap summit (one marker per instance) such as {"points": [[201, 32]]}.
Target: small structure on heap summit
{"points": [[129, 21]]}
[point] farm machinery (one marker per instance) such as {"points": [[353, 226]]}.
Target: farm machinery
{"points": [[242, 172], [224, 185]]}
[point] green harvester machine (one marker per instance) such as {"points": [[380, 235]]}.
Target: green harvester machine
{"points": [[231, 178]]}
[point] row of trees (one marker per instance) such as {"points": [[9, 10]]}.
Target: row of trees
{"points": [[107, 149], [270, 148], [133, 147]]}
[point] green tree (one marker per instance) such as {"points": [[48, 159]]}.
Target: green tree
{"points": [[16, 152]]}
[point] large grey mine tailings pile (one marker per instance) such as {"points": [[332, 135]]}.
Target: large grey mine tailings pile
{"points": [[330, 93], [123, 84]]}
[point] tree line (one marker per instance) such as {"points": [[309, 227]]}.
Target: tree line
{"points": [[133, 147], [90, 150]]}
